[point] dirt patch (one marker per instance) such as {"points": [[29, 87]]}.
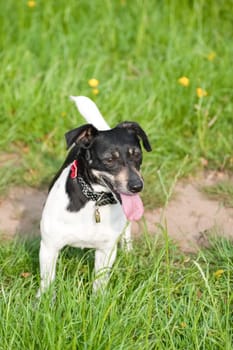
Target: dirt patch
{"points": [[189, 217], [20, 211]]}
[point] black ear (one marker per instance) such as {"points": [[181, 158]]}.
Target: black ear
{"points": [[135, 127], [83, 136]]}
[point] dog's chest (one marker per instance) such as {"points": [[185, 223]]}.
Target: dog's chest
{"points": [[79, 228]]}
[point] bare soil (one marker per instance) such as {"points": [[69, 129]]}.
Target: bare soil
{"points": [[190, 217]]}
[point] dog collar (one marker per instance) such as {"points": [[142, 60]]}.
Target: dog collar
{"points": [[100, 198]]}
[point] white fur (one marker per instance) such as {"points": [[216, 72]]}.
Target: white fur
{"points": [[60, 227], [90, 112]]}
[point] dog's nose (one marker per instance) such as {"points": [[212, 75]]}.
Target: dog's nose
{"points": [[135, 186]]}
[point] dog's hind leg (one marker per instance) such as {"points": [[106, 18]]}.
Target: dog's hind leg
{"points": [[48, 258], [104, 259]]}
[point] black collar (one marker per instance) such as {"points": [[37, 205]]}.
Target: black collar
{"points": [[100, 198]]}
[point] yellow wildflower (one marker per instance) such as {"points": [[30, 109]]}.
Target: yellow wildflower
{"points": [[201, 93], [183, 324], [63, 114], [211, 56], [218, 273], [95, 91], [93, 83], [184, 81], [31, 3]]}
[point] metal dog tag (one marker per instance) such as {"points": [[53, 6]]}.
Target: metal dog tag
{"points": [[97, 215]]}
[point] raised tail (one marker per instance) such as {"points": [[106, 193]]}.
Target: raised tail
{"points": [[88, 109]]}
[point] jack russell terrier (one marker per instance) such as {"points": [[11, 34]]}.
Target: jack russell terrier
{"points": [[94, 193]]}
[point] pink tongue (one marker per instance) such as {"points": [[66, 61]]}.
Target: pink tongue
{"points": [[132, 206]]}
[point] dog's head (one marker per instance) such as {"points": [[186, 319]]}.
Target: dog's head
{"points": [[113, 156]]}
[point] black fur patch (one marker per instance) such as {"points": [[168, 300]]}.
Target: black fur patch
{"points": [[77, 198], [72, 187]]}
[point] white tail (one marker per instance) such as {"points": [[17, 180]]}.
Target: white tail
{"points": [[88, 109]]}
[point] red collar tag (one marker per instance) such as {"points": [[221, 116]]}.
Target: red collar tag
{"points": [[74, 169]]}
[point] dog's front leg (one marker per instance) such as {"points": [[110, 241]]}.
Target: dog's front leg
{"points": [[104, 259], [48, 258]]}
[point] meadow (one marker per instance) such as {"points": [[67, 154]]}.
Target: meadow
{"points": [[158, 298], [167, 65]]}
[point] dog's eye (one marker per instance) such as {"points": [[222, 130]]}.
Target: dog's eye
{"points": [[109, 161], [134, 154]]}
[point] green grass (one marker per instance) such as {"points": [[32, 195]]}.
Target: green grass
{"points": [[221, 191], [138, 51], [157, 298]]}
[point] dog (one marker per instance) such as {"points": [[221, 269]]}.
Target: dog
{"points": [[94, 193]]}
